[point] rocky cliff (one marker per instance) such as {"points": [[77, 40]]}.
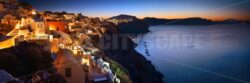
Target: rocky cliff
{"points": [[121, 49], [130, 24]]}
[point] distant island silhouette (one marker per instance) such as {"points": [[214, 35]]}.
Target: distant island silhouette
{"points": [[133, 25], [185, 21], [190, 21]]}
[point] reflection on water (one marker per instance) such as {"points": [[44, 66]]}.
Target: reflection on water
{"points": [[199, 54]]}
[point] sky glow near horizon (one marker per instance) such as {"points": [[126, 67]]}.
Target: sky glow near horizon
{"points": [[211, 9]]}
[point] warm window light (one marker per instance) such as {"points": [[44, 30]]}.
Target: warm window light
{"points": [[75, 47], [52, 28], [50, 38], [74, 52], [86, 53], [33, 12], [89, 32], [17, 26], [85, 61]]}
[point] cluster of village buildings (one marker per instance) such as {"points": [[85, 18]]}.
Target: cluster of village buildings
{"points": [[71, 59]]}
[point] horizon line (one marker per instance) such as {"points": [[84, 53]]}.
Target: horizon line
{"points": [[142, 17]]}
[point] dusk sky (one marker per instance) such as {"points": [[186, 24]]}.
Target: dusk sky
{"points": [[211, 9]]}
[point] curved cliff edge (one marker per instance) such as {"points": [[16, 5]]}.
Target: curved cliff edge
{"points": [[139, 68], [121, 49]]}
